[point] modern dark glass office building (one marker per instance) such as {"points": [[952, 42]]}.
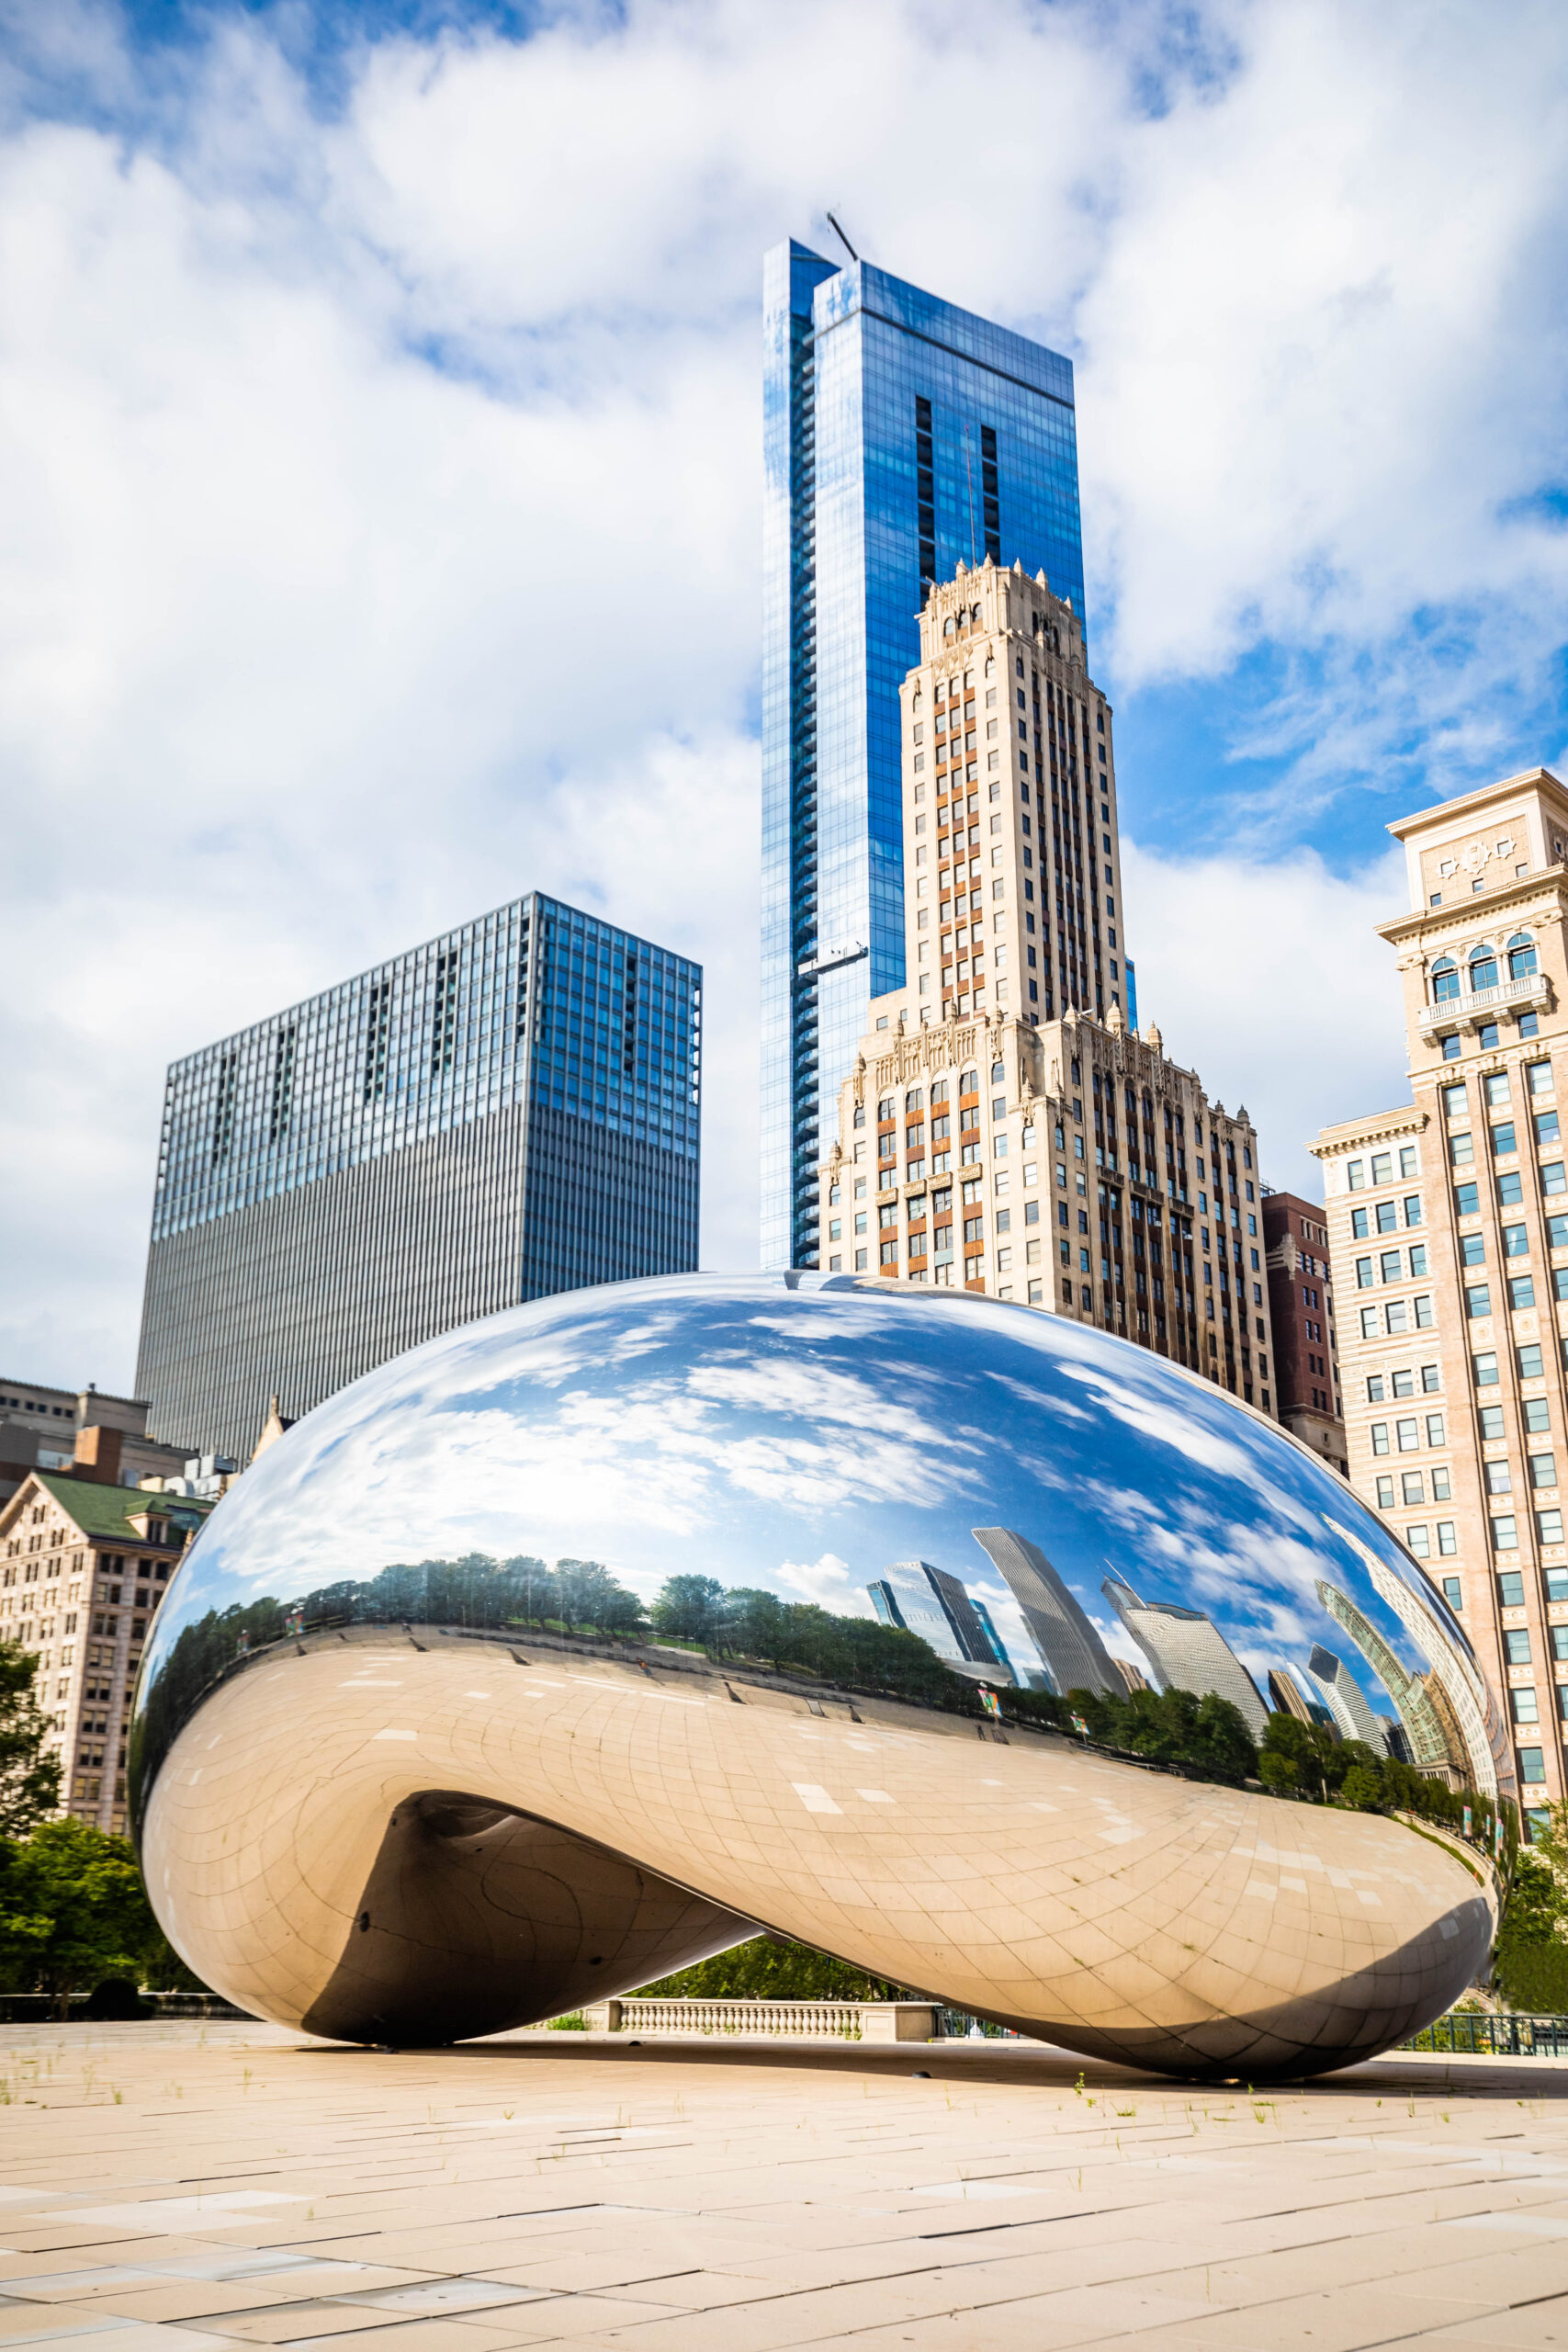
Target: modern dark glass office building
{"points": [[511, 1110], [902, 436]]}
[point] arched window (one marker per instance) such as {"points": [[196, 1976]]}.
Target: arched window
{"points": [[1521, 957], [990, 665], [939, 1092], [970, 1082], [859, 1115], [998, 1072], [975, 613], [1483, 969], [1445, 980], [915, 1098], [947, 626], [889, 1107]]}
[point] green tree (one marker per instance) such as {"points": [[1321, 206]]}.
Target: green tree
{"points": [[770, 1969], [691, 1609], [590, 1595], [72, 1911], [1361, 1789], [30, 1778], [1531, 1960]]}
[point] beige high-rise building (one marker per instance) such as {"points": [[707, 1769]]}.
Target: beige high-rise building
{"points": [[1003, 1128], [1448, 1221]]}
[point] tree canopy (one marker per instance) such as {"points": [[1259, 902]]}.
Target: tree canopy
{"points": [[29, 1777]]}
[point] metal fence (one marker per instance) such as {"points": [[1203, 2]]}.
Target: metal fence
{"points": [[1478, 2033]]}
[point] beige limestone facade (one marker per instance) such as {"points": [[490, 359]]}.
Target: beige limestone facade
{"points": [[1447, 1220], [1003, 1128]]}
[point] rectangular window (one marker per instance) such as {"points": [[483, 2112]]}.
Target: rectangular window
{"points": [[1546, 1128], [1451, 1591], [1557, 1232], [1549, 1526], [1434, 1429], [1537, 1416], [1412, 1487], [1503, 1139], [1441, 1491], [1448, 1539], [1530, 1365], [1484, 1368], [1355, 1176], [1398, 1315], [1467, 1200], [1511, 1189], [1515, 1241], [1388, 1217], [1431, 1380], [1419, 1541], [1472, 1250], [1413, 1208], [1358, 1225], [1407, 1159], [1490, 1422], [1505, 1534], [1374, 1388], [1478, 1300], [1389, 1266], [1425, 1317], [1525, 1708], [1418, 1260], [1380, 1437], [1521, 1292], [1511, 1588], [1543, 1469], [1385, 1493], [1462, 1150], [1382, 1168], [1363, 1274], [1537, 1076], [1453, 1101], [1406, 1436], [1553, 1179], [1532, 1766], [1369, 1323]]}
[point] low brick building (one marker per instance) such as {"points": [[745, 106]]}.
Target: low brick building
{"points": [[1300, 1309]]}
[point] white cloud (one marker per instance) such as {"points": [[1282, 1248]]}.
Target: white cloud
{"points": [[1266, 977], [382, 494]]}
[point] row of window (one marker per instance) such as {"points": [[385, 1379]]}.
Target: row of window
{"points": [[1381, 1165], [1517, 1643], [1511, 1190], [1399, 1316], [1384, 1217], [1520, 1289], [1482, 968], [1494, 1089], [1505, 1529], [1529, 1357], [1389, 1266]]}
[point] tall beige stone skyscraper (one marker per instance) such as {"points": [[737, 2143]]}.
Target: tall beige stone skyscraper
{"points": [[1003, 1127], [1447, 1220]]}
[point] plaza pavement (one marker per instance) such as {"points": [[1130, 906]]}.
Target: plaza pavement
{"points": [[190, 2186]]}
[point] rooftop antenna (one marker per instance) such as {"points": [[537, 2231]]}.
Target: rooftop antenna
{"points": [[842, 239]]}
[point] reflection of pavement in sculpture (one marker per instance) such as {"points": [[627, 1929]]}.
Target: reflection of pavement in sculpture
{"points": [[372, 1801], [1115, 1910]]}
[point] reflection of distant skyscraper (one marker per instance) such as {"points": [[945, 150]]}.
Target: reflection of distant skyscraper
{"points": [[1345, 1699], [1188, 1651], [1422, 1725], [998, 1647], [1075, 1657], [930, 1602], [1484, 1735], [1132, 1676], [1293, 1695]]}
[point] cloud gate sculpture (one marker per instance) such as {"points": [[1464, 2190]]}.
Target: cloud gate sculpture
{"points": [[376, 1798]]}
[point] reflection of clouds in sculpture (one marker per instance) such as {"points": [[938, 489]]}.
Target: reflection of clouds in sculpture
{"points": [[711, 1427]]}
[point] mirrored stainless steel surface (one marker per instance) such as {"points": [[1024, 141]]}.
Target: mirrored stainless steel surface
{"points": [[376, 1797]]}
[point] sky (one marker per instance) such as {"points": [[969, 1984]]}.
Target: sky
{"points": [[380, 456]]}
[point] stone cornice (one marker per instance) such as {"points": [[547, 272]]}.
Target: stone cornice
{"points": [[1484, 912], [1354, 1134]]}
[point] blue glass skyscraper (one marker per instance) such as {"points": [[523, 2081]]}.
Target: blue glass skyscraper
{"points": [[511, 1110], [901, 436]]}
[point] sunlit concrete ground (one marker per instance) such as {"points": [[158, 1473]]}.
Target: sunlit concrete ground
{"points": [[187, 2185]]}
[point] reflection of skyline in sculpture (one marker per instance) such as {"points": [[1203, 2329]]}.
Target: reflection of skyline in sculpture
{"points": [[1430, 1750], [1293, 1695], [926, 1600], [1188, 1651], [1072, 1652], [998, 1647], [1483, 1737], [1345, 1699]]}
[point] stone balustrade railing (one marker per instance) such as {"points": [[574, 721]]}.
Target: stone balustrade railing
{"points": [[772, 2020]]}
